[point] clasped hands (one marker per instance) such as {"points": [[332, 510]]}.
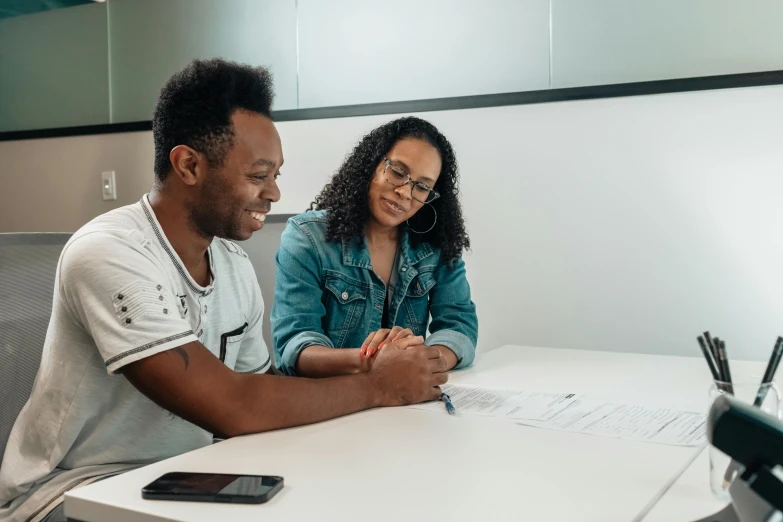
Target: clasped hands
{"points": [[397, 338]]}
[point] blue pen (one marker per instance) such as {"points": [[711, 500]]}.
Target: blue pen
{"points": [[447, 401]]}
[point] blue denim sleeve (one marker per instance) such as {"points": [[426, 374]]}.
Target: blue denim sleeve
{"points": [[454, 321], [298, 310]]}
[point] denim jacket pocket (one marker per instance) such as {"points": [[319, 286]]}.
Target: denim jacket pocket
{"points": [[345, 306], [417, 302]]}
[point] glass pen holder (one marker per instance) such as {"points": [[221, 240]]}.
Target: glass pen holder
{"points": [[767, 397]]}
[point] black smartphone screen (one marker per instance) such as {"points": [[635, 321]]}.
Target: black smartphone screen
{"points": [[213, 487]]}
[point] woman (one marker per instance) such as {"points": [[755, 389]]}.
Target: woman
{"points": [[377, 255]]}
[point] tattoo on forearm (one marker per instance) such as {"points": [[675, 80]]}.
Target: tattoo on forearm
{"points": [[181, 351]]}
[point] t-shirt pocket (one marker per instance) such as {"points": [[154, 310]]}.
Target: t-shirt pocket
{"points": [[234, 336]]}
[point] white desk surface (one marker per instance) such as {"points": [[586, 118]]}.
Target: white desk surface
{"points": [[406, 464]]}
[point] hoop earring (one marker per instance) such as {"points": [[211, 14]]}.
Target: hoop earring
{"points": [[433, 223]]}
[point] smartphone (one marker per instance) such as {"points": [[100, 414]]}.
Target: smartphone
{"points": [[213, 487]]}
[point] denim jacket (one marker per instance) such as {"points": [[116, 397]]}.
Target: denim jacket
{"points": [[327, 294]]}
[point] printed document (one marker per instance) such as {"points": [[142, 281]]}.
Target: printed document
{"points": [[577, 413]]}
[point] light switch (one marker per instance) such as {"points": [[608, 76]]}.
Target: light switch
{"points": [[108, 185]]}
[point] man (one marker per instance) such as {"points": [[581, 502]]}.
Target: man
{"points": [[155, 339]]}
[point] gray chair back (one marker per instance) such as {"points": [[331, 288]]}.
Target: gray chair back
{"points": [[28, 262]]}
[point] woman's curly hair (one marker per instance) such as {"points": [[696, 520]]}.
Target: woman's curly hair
{"points": [[345, 197]]}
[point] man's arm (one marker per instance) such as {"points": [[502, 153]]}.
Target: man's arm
{"points": [[191, 382]]}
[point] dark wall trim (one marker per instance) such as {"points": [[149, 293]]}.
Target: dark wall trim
{"points": [[704, 83], [278, 218], [84, 130]]}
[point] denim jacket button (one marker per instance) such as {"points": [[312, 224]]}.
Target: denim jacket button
{"points": [[344, 295], [404, 269]]}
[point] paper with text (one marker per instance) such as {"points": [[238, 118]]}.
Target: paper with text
{"points": [[577, 413], [628, 421], [502, 402]]}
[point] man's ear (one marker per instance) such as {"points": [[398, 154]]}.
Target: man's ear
{"points": [[185, 162]]}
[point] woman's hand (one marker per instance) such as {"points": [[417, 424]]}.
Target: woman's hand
{"points": [[401, 337]]}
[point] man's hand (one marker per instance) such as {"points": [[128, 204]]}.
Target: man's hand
{"points": [[448, 356], [402, 376], [377, 340]]}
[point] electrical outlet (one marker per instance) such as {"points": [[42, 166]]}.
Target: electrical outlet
{"points": [[108, 185]]}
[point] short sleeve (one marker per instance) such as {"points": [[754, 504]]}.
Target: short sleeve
{"points": [[116, 289]]}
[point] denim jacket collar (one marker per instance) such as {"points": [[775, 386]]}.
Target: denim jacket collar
{"points": [[355, 253]]}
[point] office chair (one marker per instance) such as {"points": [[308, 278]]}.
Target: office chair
{"points": [[28, 262]]}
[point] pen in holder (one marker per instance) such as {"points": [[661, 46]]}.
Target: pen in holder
{"points": [[764, 395], [722, 468]]}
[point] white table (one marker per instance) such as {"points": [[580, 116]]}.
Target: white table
{"points": [[407, 464]]}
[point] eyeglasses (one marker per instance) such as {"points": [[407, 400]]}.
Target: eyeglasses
{"points": [[397, 176]]}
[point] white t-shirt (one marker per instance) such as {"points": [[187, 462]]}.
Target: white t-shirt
{"points": [[122, 294]]}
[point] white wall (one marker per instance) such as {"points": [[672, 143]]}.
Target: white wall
{"points": [[626, 224], [53, 184]]}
